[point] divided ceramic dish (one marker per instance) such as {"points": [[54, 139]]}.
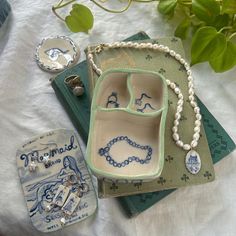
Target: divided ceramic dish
{"points": [[127, 124]]}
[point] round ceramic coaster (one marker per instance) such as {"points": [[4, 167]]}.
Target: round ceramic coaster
{"points": [[54, 54]]}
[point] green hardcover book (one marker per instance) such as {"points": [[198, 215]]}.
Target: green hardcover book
{"points": [[174, 173], [78, 110]]}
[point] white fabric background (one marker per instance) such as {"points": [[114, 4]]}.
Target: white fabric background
{"points": [[28, 106]]}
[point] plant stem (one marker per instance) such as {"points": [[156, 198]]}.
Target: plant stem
{"points": [[63, 5], [232, 35], [60, 5], [113, 11], [145, 1], [224, 28]]}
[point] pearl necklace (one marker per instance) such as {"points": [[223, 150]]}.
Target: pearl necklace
{"points": [[192, 161]]}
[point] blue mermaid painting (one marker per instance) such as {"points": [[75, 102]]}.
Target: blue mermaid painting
{"points": [[43, 192]]}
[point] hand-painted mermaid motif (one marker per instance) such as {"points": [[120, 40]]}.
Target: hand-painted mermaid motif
{"points": [[106, 152]]}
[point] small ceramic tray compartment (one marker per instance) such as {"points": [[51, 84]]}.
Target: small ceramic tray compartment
{"points": [[126, 139], [115, 92], [147, 93]]}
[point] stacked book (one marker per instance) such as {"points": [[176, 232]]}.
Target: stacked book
{"points": [[214, 144]]}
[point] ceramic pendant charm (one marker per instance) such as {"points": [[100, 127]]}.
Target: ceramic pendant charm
{"points": [[56, 53], [71, 204], [52, 194], [128, 111], [193, 162], [61, 195]]}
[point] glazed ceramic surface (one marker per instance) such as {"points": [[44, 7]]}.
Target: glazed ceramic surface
{"points": [[52, 169], [56, 53], [126, 139]]}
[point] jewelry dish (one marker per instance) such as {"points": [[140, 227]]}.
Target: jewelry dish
{"points": [[127, 124]]}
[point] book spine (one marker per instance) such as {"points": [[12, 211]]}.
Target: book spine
{"points": [[69, 109]]}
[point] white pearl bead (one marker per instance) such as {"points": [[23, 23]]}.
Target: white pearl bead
{"points": [[196, 129], [90, 56], [155, 46], [129, 44], [177, 90], [191, 98], [117, 44], [175, 129], [176, 122], [198, 116], [179, 143], [190, 78], [190, 91], [196, 136], [161, 47], [180, 96], [149, 45], [180, 102], [193, 104], [197, 123], [189, 72], [48, 208], [175, 136], [194, 144], [99, 71], [63, 221], [186, 147], [179, 109], [172, 53], [32, 166], [178, 57], [168, 82], [196, 110], [186, 66], [182, 61], [190, 85], [172, 85], [177, 116], [166, 49]]}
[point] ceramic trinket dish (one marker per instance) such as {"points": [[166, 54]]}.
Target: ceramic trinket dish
{"points": [[56, 183], [128, 113], [54, 54]]}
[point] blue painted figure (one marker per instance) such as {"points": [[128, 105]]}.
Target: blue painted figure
{"points": [[70, 169], [112, 100]]}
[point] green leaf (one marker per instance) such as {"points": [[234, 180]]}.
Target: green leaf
{"points": [[80, 19], [206, 10], [183, 28], [167, 7], [226, 60], [207, 44], [220, 21], [229, 6]]}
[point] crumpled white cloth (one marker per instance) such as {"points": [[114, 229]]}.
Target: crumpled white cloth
{"points": [[28, 106]]}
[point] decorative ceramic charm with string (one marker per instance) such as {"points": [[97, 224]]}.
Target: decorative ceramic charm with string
{"points": [[192, 159]]}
